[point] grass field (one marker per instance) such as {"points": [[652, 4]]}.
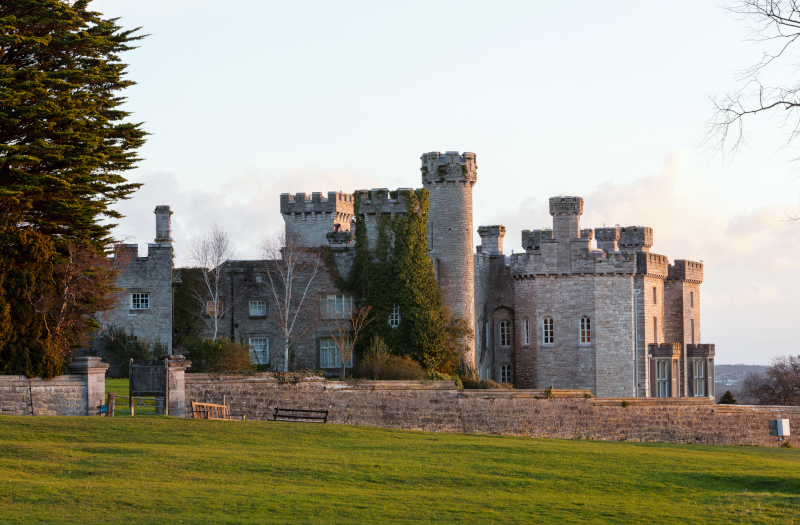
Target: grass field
{"points": [[167, 470]]}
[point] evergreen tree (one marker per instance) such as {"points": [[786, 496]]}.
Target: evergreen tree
{"points": [[728, 399], [64, 147], [63, 142]]}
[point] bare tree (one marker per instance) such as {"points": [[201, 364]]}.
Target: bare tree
{"points": [[291, 268], [779, 385], [775, 23], [347, 330], [209, 252]]}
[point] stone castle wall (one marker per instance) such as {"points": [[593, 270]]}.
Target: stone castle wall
{"points": [[438, 406]]}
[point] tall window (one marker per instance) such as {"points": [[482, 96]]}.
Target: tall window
{"points": [[505, 374], [505, 333], [339, 306], [258, 308], [655, 330], [394, 316], [699, 378], [214, 308], [692, 321], [329, 354], [140, 301], [662, 380], [655, 295], [691, 299], [259, 350], [586, 330], [526, 331], [547, 330]]}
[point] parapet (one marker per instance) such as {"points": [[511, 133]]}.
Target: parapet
{"points": [[450, 167], [381, 200], [701, 350], [607, 239], [532, 238], [566, 206], [672, 350], [340, 238], [684, 270], [635, 239], [491, 239], [652, 264], [316, 203], [587, 234]]}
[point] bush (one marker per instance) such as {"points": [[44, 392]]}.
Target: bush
{"points": [[120, 348], [728, 399], [221, 355], [402, 368], [433, 375], [485, 384], [375, 357]]}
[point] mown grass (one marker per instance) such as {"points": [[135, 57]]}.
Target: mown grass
{"points": [[167, 470]]}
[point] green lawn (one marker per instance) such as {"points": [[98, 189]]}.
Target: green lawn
{"points": [[167, 470]]}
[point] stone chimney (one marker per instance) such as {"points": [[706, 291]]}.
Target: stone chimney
{"points": [[163, 225]]}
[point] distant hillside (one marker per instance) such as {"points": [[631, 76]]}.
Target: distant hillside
{"points": [[739, 369]]}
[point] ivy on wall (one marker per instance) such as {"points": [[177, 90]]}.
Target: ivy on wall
{"points": [[398, 271]]}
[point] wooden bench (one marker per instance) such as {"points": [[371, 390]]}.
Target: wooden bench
{"points": [[298, 415], [212, 411]]}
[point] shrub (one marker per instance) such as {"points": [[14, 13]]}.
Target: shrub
{"points": [[728, 399], [221, 355], [232, 357], [402, 368], [433, 375], [120, 348], [375, 357], [486, 384]]}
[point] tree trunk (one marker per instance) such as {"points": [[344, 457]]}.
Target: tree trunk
{"points": [[344, 366], [286, 356]]}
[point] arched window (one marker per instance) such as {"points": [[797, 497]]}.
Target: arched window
{"points": [[586, 330], [505, 374], [547, 330], [526, 331], [394, 316], [505, 333]]}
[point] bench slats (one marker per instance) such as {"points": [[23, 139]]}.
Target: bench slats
{"points": [[299, 415]]}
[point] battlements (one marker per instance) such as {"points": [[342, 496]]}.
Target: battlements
{"points": [[566, 206], [163, 224], [664, 350], [652, 264], [532, 238], [491, 239], [684, 270], [587, 234], [381, 200], [607, 239], [316, 203], [340, 238], [700, 350], [635, 239], [449, 168]]}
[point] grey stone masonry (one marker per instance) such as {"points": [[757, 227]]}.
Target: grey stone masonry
{"points": [[607, 239], [314, 216], [144, 310], [491, 239], [566, 212], [449, 178], [378, 204], [636, 239], [77, 394]]}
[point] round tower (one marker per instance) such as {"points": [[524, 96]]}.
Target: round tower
{"points": [[449, 179]]}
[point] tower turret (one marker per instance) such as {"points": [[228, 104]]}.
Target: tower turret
{"points": [[491, 239], [314, 216], [566, 212], [449, 179]]}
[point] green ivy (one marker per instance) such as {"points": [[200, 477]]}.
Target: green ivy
{"points": [[398, 271]]}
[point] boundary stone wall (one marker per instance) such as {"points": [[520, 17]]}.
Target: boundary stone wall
{"points": [[78, 394], [438, 406]]}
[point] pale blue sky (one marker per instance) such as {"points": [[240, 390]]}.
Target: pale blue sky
{"points": [[246, 100]]}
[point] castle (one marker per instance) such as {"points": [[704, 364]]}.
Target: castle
{"points": [[617, 320]]}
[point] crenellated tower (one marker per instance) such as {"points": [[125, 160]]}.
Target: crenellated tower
{"points": [[314, 216], [449, 178]]}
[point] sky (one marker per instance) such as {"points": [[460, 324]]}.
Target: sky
{"points": [[245, 100]]}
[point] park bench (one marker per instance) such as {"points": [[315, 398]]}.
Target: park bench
{"points": [[212, 411], [300, 416]]}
